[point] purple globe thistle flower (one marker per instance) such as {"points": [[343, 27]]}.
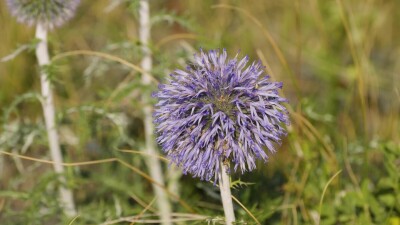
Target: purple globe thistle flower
{"points": [[219, 109], [49, 13]]}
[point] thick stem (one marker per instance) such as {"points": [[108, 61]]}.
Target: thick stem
{"points": [[42, 55], [153, 163], [225, 188]]}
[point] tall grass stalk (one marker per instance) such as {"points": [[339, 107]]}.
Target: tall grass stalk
{"points": [[153, 163], [42, 55]]}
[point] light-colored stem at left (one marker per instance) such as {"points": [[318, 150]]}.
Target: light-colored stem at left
{"points": [[42, 55], [153, 163], [225, 188]]}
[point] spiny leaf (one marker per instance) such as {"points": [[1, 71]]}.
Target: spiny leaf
{"points": [[29, 46], [239, 184]]}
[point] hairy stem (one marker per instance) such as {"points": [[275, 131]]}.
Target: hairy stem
{"points": [[225, 188], [42, 55], [153, 163]]}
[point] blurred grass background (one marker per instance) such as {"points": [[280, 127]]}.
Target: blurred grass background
{"points": [[339, 61]]}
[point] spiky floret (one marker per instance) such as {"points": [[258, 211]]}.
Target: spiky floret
{"points": [[219, 109], [49, 13]]}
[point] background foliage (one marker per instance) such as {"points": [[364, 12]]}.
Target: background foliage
{"points": [[339, 61]]}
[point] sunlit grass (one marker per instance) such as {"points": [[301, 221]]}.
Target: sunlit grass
{"points": [[339, 61]]}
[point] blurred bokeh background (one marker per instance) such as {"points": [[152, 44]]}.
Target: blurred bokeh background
{"points": [[339, 61]]}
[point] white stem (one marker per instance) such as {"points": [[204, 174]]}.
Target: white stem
{"points": [[225, 188], [42, 55], [153, 163], [144, 36]]}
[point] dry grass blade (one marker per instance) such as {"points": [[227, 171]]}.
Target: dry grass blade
{"points": [[330, 154], [175, 37], [264, 61], [292, 207], [73, 220], [131, 219], [245, 209], [147, 177], [356, 60], [143, 211], [270, 39], [179, 217], [136, 170], [102, 55], [141, 202], [64, 164], [323, 194], [144, 154]]}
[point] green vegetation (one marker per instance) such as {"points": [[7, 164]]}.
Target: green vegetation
{"points": [[339, 61]]}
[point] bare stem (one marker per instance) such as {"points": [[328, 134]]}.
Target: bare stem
{"points": [[225, 188], [153, 163], [42, 55]]}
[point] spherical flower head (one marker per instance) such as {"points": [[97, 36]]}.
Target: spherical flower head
{"points": [[219, 109], [49, 13]]}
